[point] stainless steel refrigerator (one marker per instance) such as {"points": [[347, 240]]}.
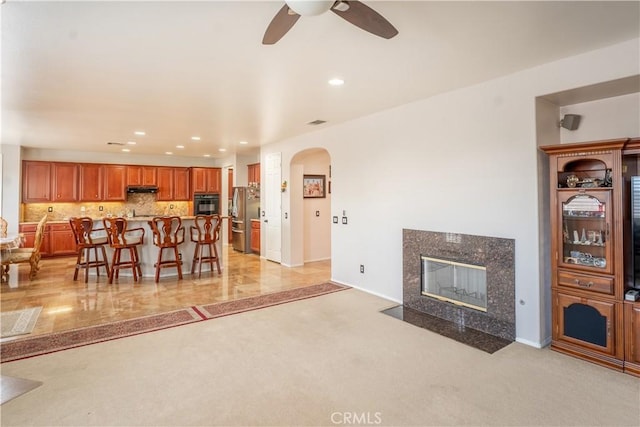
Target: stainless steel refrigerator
{"points": [[245, 207]]}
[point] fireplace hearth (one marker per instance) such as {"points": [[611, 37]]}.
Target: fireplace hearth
{"points": [[459, 276]]}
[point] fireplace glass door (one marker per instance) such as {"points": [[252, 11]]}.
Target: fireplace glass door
{"points": [[455, 282]]}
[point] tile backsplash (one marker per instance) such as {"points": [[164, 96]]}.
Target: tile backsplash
{"points": [[142, 204]]}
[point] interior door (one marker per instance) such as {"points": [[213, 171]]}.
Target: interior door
{"points": [[272, 212]]}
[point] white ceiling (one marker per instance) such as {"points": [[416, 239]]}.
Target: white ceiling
{"points": [[76, 75]]}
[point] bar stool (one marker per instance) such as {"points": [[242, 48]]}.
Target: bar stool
{"points": [[205, 233], [86, 240], [168, 233], [120, 237]]}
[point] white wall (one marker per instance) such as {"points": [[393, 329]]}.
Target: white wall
{"points": [[604, 117], [465, 161], [11, 196]]}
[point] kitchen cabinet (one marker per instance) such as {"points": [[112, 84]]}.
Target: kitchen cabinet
{"points": [[114, 183], [587, 268], [181, 184], [206, 180], [91, 182], [632, 337], [173, 184], [29, 232], [253, 173], [64, 180], [61, 240], [142, 175], [255, 236], [57, 240], [36, 182]]}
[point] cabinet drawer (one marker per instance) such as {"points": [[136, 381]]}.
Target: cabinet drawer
{"points": [[59, 227], [255, 225], [586, 282]]}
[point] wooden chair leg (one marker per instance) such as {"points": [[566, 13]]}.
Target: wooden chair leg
{"points": [[78, 263], [105, 259], [87, 262], [178, 262], [195, 257], [159, 265], [114, 264], [215, 251]]}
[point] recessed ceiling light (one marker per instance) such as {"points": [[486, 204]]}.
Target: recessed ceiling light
{"points": [[195, 138], [131, 142], [207, 155], [140, 133], [336, 82], [179, 146], [244, 142], [168, 152], [222, 149], [126, 150]]}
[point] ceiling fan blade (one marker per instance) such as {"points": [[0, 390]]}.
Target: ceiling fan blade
{"points": [[364, 17], [280, 24]]}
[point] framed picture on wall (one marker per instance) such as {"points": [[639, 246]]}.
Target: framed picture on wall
{"points": [[313, 186]]}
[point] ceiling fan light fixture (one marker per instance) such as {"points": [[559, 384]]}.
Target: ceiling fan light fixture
{"points": [[309, 7], [341, 6]]}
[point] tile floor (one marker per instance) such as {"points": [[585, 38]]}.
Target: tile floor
{"points": [[69, 304]]}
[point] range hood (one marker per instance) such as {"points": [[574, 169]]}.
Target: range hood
{"points": [[135, 189]]}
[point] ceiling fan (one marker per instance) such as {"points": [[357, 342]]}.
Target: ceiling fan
{"points": [[353, 11]]}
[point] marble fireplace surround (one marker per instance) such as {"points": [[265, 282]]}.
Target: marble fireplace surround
{"points": [[496, 254]]}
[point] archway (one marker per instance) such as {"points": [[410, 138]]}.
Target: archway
{"points": [[310, 216]]}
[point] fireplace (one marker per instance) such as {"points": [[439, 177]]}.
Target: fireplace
{"points": [[455, 282], [462, 278]]}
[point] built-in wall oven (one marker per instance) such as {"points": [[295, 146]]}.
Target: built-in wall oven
{"points": [[206, 203]]}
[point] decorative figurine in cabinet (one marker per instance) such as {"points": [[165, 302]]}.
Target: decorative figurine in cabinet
{"points": [[586, 248]]}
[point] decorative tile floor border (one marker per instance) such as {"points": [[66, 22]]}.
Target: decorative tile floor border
{"points": [[48, 343]]}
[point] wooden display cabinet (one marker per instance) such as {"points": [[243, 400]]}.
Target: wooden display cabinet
{"points": [[587, 269], [632, 337]]}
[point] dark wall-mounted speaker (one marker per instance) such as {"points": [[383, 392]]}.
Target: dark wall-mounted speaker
{"points": [[570, 121]]}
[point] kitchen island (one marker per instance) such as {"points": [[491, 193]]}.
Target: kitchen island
{"points": [[148, 252]]}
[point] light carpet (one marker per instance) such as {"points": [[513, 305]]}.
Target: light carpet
{"points": [[326, 361], [18, 322]]}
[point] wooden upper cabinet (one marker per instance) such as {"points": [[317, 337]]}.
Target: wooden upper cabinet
{"points": [[142, 175], [91, 182], [165, 184], [206, 180], [36, 182], [114, 183], [64, 180], [173, 184], [253, 173], [181, 184]]}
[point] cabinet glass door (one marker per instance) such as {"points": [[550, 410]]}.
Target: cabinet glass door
{"points": [[585, 241]]}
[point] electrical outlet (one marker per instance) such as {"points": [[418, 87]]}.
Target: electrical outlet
{"points": [[335, 219], [317, 213], [100, 208], [361, 268], [344, 219], [50, 209], [180, 256]]}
